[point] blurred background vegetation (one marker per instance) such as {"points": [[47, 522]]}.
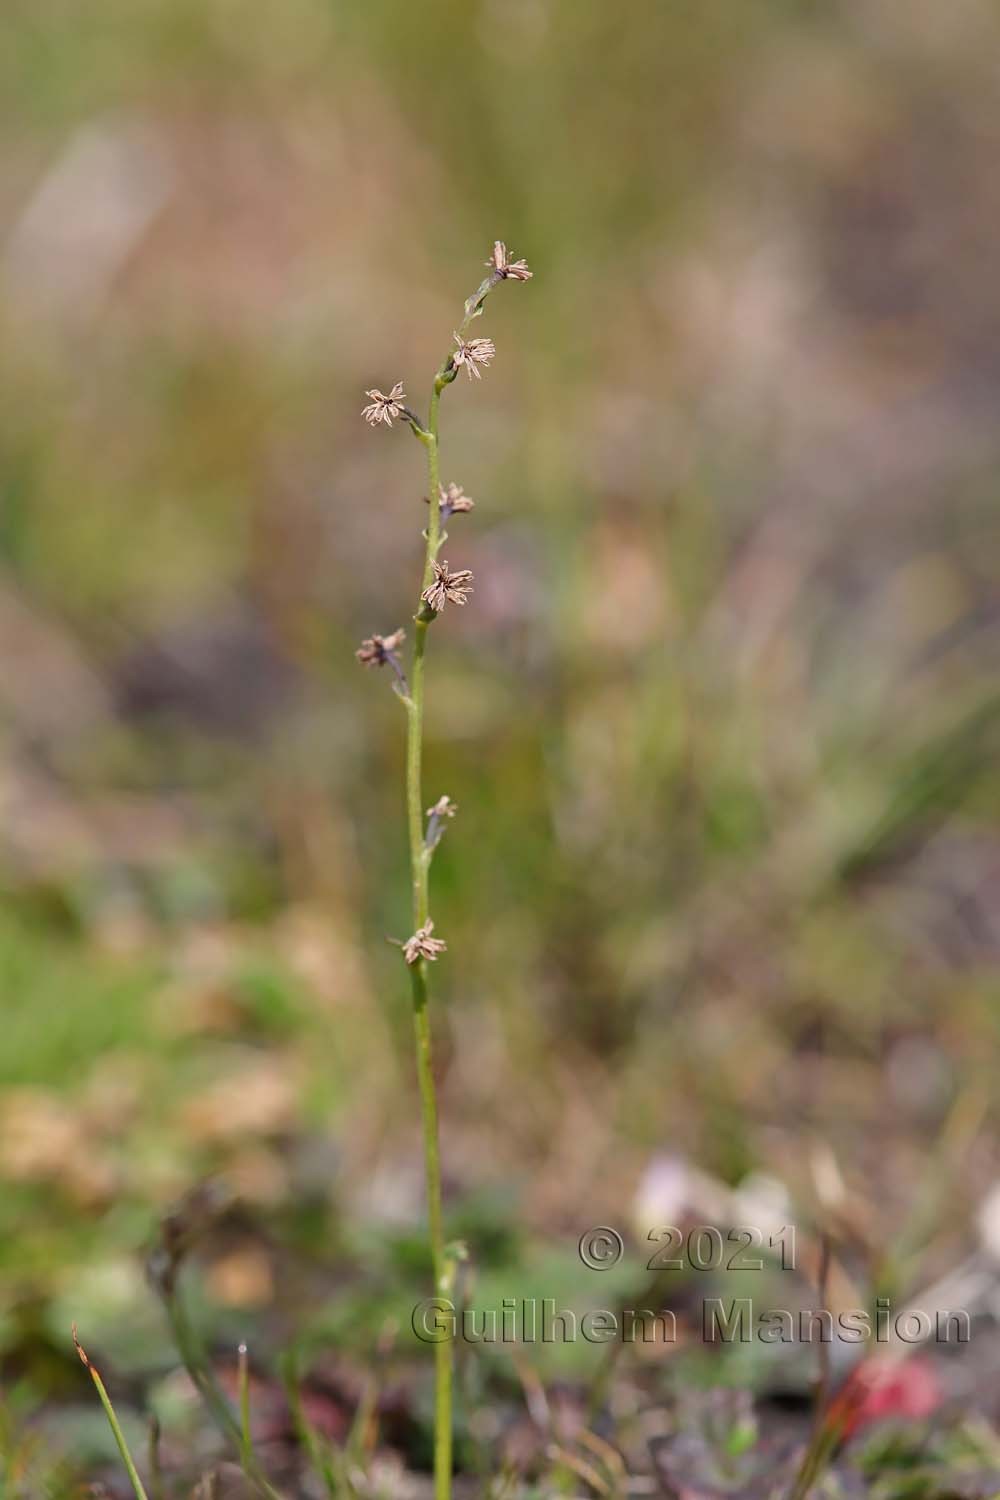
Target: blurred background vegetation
{"points": [[722, 720]]}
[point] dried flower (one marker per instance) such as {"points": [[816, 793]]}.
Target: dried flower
{"points": [[437, 821], [422, 945], [447, 585], [384, 408], [508, 270], [379, 649], [473, 352], [452, 500]]}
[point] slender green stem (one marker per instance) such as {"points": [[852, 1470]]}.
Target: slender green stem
{"points": [[243, 1379], [432, 1161], [327, 1463], [123, 1447], [434, 480], [110, 1413], [155, 1465], [193, 1359], [420, 869]]}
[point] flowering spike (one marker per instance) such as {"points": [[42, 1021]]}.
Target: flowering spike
{"points": [[440, 586]]}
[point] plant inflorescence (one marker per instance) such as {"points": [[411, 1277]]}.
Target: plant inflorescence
{"points": [[441, 585]]}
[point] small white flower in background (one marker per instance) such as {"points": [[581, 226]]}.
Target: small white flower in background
{"points": [[763, 1201], [671, 1192], [473, 352], [663, 1194], [384, 408]]}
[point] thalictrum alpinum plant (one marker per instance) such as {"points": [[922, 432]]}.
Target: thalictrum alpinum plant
{"points": [[441, 585]]}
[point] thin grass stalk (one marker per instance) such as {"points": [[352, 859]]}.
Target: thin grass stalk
{"points": [[243, 1381], [110, 1413], [327, 1462], [194, 1361], [155, 1464]]}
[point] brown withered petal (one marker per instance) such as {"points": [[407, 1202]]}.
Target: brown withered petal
{"points": [[473, 352], [455, 587], [384, 408], [422, 945], [510, 270], [376, 651]]}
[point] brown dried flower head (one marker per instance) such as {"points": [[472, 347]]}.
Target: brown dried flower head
{"points": [[379, 649], [422, 945], [447, 586], [509, 270], [452, 500], [384, 408], [472, 353]]}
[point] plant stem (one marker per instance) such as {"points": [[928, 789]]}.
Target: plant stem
{"points": [[243, 1378], [192, 1357], [110, 1413], [432, 1164], [420, 869], [123, 1447]]}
